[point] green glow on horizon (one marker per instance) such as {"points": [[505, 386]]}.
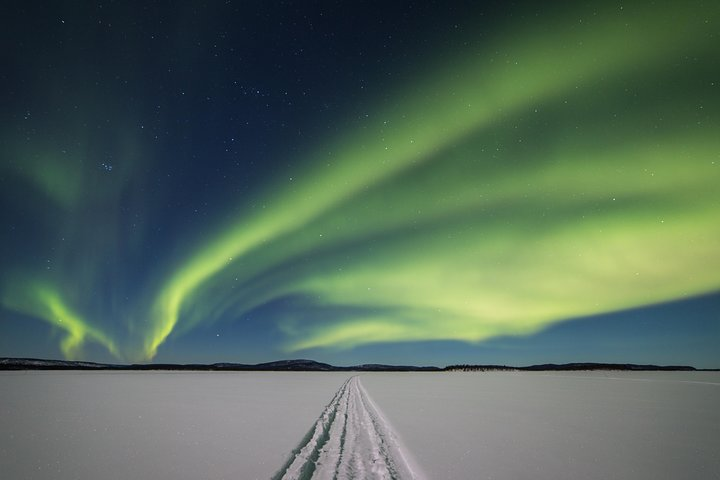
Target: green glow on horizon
{"points": [[427, 277], [45, 302], [559, 248]]}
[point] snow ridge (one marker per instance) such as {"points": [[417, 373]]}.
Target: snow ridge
{"points": [[351, 439]]}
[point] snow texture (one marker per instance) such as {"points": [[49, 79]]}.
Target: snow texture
{"points": [[251, 425], [556, 426], [350, 440], [155, 425]]}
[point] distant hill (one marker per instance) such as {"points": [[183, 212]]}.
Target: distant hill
{"points": [[41, 364], [299, 365]]}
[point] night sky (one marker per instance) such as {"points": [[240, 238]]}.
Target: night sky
{"points": [[355, 182]]}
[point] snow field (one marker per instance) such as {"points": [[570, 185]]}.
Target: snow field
{"points": [[253, 425], [155, 425], [556, 426]]}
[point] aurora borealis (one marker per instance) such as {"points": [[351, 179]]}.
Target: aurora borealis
{"points": [[259, 180]]}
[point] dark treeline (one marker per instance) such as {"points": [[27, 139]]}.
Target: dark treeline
{"points": [[569, 367], [313, 366]]}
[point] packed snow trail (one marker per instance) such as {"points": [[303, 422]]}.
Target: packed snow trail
{"points": [[350, 440]]}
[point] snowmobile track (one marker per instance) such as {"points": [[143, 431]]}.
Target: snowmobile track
{"points": [[350, 440]]}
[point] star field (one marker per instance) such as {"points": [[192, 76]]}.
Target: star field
{"points": [[361, 182]]}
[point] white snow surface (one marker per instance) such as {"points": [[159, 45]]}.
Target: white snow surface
{"points": [[247, 425], [156, 425], [556, 426]]}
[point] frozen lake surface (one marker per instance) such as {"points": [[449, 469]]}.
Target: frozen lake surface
{"points": [[584, 425], [155, 425], [245, 425]]}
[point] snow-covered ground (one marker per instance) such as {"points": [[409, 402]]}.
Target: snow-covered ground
{"points": [[155, 425], [574, 426], [120, 425]]}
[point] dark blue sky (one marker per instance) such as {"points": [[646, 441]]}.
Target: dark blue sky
{"points": [[356, 182]]}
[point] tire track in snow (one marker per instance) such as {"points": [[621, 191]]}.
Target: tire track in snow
{"points": [[350, 440]]}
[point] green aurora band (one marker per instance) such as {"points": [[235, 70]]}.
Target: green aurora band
{"points": [[43, 302], [546, 178]]}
